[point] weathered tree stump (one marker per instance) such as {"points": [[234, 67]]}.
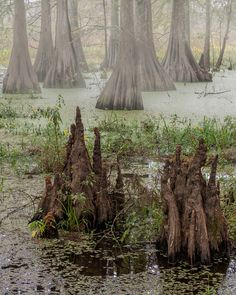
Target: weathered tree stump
{"points": [[81, 176], [195, 227]]}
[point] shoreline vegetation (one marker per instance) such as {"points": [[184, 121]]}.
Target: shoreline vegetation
{"points": [[42, 148]]}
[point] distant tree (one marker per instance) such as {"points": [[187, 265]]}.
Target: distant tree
{"points": [[105, 30], [229, 8], [113, 46], [20, 77], [153, 75], [73, 16], [44, 55], [205, 57], [123, 91], [179, 61], [64, 71]]}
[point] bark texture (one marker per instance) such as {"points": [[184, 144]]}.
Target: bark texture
{"points": [[195, 227], [205, 57], [44, 55], [187, 21], [153, 75], [123, 91], [64, 71], [113, 46], [73, 15], [179, 61], [83, 177], [20, 77]]}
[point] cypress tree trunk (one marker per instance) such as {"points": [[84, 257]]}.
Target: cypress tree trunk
{"points": [[20, 77], [44, 56], [179, 61], [105, 27], [153, 75], [123, 91], [187, 21], [64, 71], [113, 46], [222, 51], [73, 15], [205, 57]]}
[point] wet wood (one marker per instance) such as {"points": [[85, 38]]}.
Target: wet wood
{"points": [[195, 227], [84, 179]]}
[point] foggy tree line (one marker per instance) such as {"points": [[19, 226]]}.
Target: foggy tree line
{"points": [[129, 50]]}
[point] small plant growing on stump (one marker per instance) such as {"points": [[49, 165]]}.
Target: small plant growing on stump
{"points": [[195, 227]]}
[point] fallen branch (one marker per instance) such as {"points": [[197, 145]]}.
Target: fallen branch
{"points": [[211, 93], [13, 212]]}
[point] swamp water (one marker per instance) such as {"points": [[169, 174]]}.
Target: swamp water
{"points": [[191, 100], [67, 266], [29, 266]]}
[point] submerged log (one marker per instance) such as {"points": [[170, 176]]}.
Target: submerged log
{"points": [[83, 180], [195, 227]]}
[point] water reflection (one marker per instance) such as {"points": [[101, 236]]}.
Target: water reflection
{"points": [[229, 283], [56, 267], [106, 263]]}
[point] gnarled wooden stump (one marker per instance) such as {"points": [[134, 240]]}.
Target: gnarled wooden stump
{"points": [[195, 227], [83, 177]]}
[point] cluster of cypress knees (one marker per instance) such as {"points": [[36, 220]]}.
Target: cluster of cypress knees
{"points": [[194, 226]]}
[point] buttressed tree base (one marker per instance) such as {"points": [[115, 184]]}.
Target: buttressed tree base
{"points": [[20, 77], [123, 89]]}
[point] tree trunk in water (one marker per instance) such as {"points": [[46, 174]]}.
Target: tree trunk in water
{"points": [[44, 56], [82, 177], [64, 71], [153, 75], [195, 227], [73, 14], [222, 52], [113, 46], [20, 77], [205, 57], [105, 28], [179, 61], [123, 91], [187, 21]]}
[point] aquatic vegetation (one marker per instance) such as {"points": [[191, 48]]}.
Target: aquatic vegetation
{"points": [[160, 136], [50, 140], [71, 222], [142, 224], [228, 186], [37, 228], [8, 111]]}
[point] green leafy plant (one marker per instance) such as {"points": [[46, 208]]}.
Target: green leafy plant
{"points": [[71, 221], [228, 188], [51, 139], [37, 228], [142, 225], [160, 136]]}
